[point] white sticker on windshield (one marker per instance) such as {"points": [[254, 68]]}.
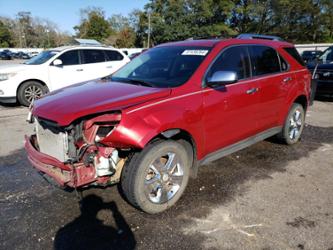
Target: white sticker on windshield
{"points": [[195, 52]]}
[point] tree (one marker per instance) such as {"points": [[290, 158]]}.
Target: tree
{"points": [[93, 24], [35, 32], [5, 36], [122, 33], [174, 20], [125, 38]]}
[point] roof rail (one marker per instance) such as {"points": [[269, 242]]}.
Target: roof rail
{"points": [[203, 38], [92, 45], [258, 36]]}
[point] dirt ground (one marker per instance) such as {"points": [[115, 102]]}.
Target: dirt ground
{"points": [[268, 196]]}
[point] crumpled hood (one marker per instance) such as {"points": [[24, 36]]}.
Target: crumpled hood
{"points": [[65, 105]]}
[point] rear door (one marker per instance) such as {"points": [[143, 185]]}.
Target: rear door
{"points": [[229, 111], [94, 64], [68, 73], [270, 71], [114, 60]]}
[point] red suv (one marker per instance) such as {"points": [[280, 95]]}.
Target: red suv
{"points": [[173, 108]]}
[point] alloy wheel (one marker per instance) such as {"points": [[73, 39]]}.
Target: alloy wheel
{"points": [[32, 92], [164, 178], [295, 125]]}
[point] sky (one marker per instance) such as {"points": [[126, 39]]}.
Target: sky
{"points": [[66, 13]]}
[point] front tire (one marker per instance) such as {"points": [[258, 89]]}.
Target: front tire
{"points": [[155, 178], [29, 91], [294, 125]]}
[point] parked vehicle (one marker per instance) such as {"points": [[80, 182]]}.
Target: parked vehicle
{"points": [[175, 107], [310, 55], [4, 55], [55, 69], [21, 55], [33, 53], [323, 74], [133, 55]]}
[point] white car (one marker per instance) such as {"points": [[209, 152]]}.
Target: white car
{"points": [[57, 68]]}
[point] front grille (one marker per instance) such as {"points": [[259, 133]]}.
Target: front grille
{"points": [[52, 143]]}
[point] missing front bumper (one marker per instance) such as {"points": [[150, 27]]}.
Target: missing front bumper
{"points": [[72, 175]]}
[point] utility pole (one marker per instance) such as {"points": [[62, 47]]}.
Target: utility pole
{"points": [[148, 43], [48, 37], [25, 16]]}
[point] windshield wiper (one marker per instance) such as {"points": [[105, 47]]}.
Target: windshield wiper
{"points": [[140, 82]]}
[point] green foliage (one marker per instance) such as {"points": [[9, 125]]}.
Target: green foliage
{"points": [[28, 31], [181, 19], [93, 25], [296, 21], [5, 36]]}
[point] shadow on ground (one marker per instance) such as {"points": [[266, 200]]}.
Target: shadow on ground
{"points": [[83, 231], [10, 105], [45, 217]]}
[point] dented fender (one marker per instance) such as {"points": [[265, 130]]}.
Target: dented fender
{"points": [[136, 129]]}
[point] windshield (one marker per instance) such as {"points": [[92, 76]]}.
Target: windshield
{"points": [[327, 56], [41, 57], [162, 67]]}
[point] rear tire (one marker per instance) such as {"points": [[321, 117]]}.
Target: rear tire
{"points": [[155, 178], [294, 125], [29, 91]]}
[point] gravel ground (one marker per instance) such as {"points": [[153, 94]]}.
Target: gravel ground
{"points": [[268, 196]]}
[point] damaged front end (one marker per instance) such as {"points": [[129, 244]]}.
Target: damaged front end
{"points": [[76, 155]]}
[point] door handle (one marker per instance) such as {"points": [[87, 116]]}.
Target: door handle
{"points": [[108, 67], [252, 91], [287, 79], [79, 70]]}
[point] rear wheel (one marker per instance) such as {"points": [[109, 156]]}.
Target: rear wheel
{"points": [[155, 178], [29, 91], [294, 124]]}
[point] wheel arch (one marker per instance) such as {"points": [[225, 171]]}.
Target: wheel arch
{"points": [[301, 99], [28, 80], [186, 139]]}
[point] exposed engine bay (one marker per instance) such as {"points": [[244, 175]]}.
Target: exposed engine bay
{"points": [[80, 147]]}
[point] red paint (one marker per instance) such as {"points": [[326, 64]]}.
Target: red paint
{"points": [[68, 104], [213, 118]]}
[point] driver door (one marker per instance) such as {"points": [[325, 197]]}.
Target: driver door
{"points": [[69, 72], [230, 110]]}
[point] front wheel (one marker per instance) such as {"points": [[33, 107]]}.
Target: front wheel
{"points": [[294, 125], [30, 91], [155, 178]]}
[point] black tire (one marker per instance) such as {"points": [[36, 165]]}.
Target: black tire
{"points": [[292, 129], [139, 167], [35, 88]]}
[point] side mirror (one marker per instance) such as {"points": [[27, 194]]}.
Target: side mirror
{"points": [[220, 78], [57, 62]]}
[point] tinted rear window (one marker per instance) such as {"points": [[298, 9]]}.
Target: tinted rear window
{"points": [[93, 56], [265, 60], [112, 55], [293, 52]]}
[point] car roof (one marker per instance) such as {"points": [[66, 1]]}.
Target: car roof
{"points": [[231, 41], [62, 48]]}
